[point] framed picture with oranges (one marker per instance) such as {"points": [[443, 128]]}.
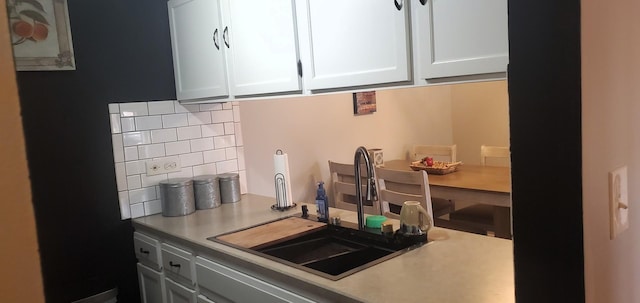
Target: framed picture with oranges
{"points": [[41, 35]]}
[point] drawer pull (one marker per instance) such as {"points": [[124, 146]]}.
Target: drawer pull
{"points": [[398, 4], [146, 252], [174, 265], [215, 39], [423, 2]]}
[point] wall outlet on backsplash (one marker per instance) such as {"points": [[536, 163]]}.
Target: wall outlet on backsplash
{"points": [[159, 140]]}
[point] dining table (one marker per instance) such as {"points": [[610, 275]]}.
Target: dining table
{"points": [[490, 185]]}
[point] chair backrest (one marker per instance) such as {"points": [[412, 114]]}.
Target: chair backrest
{"points": [[397, 186], [344, 188], [437, 152], [495, 152]]}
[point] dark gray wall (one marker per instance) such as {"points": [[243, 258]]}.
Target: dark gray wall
{"points": [[123, 53]]}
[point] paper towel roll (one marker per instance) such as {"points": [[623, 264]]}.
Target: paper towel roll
{"points": [[282, 180]]}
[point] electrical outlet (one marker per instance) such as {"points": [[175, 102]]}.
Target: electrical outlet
{"points": [[618, 201], [163, 165]]}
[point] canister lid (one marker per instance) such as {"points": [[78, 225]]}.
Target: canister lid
{"points": [[228, 176], [205, 179], [176, 182]]}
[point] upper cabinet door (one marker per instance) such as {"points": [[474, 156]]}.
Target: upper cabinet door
{"points": [[263, 56], [198, 54], [354, 42], [460, 37]]}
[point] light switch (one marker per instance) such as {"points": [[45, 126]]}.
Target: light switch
{"points": [[618, 201]]}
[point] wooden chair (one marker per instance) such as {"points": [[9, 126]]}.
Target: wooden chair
{"points": [[441, 206], [396, 187], [479, 218], [344, 188]]}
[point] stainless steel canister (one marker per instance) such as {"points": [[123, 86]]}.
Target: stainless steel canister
{"points": [[176, 197], [229, 187], [206, 190]]}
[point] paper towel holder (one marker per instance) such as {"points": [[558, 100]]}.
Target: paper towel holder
{"points": [[281, 189]]}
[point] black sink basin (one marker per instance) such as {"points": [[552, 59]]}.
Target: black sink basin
{"points": [[335, 252]]}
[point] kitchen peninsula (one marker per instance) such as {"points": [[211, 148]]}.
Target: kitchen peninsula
{"points": [[453, 267]]}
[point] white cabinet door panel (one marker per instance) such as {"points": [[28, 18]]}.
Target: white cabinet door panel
{"points": [[461, 37], [355, 42], [152, 287], [177, 293], [198, 56], [262, 42]]}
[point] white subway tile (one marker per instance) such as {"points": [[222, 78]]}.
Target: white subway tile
{"points": [[186, 108], [235, 103], [243, 181], [191, 159], [191, 132], [227, 105], [128, 124], [215, 155], [176, 148], [158, 194], [229, 128], [231, 153], [220, 116], [174, 120], [142, 194], [137, 210], [152, 207], [152, 180], [210, 106], [151, 151], [125, 208], [114, 120], [199, 118], [133, 182], [236, 113], [224, 141], [241, 165], [227, 166], [163, 135], [136, 138], [148, 122], [206, 169], [211, 130], [238, 134], [114, 108], [161, 107], [136, 167], [185, 172], [201, 144], [121, 177], [134, 109], [118, 148], [131, 153]]}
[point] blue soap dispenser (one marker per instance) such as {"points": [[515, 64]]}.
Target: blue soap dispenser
{"points": [[322, 203]]}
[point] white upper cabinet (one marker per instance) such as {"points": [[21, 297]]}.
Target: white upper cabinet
{"points": [[460, 37], [354, 42], [263, 54], [227, 48], [198, 54]]}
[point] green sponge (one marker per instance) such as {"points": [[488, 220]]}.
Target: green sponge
{"points": [[375, 221]]}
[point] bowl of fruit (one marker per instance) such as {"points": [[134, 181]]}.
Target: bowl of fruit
{"points": [[435, 167]]}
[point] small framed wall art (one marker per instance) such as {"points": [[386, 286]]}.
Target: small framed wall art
{"points": [[364, 103], [41, 35]]}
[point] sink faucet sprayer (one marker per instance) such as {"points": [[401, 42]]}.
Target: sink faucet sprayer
{"points": [[362, 152]]}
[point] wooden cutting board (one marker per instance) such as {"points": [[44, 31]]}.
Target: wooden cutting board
{"points": [[271, 233]]}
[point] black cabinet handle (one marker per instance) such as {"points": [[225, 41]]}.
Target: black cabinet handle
{"points": [[146, 252], [423, 2], [225, 36], [398, 4], [215, 39], [174, 265]]}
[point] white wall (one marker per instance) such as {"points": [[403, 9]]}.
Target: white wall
{"points": [[611, 120], [313, 130]]}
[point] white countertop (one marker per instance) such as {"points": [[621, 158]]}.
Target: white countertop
{"points": [[453, 267]]}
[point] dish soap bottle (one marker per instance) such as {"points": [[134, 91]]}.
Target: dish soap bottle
{"points": [[322, 203]]}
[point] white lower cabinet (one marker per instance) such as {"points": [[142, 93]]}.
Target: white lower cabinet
{"points": [[176, 293], [203, 299], [223, 284], [152, 286]]}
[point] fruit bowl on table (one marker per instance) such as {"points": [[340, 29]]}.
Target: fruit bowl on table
{"points": [[438, 167]]}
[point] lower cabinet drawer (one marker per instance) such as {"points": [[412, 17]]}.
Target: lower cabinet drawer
{"points": [[147, 250], [220, 283], [179, 265]]}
